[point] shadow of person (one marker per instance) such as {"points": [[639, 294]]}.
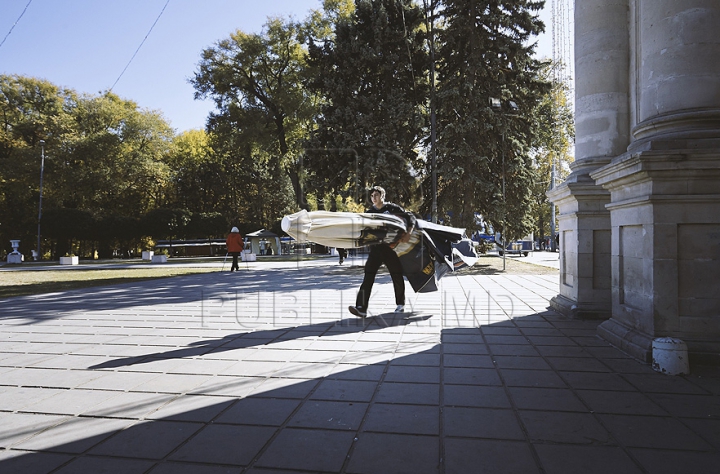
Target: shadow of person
{"points": [[269, 336]]}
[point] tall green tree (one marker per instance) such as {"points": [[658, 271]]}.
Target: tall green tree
{"points": [[30, 110], [372, 75], [484, 165], [256, 81], [103, 155], [553, 148], [112, 161], [197, 177]]}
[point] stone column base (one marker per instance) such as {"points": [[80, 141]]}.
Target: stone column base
{"points": [[631, 341], [578, 310]]}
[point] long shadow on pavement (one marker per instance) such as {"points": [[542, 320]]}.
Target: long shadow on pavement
{"points": [[532, 394], [173, 291]]}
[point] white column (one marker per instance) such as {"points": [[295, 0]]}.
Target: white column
{"points": [[602, 132], [665, 198]]}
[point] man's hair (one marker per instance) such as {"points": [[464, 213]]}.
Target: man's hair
{"points": [[378, 189]]}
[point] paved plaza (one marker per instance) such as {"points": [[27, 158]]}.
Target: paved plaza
{"points": [[264, 371]]}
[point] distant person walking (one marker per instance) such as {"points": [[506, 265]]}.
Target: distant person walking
{"points": [[342, 253], [383, 254], [235, 246]]}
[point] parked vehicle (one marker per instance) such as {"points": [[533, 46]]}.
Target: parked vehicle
{"points": [[519, 247]]}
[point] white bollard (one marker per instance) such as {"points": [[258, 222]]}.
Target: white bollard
{"points": [[670, 356]]}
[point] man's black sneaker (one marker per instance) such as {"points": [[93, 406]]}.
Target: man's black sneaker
{"points": [[357, 311]]}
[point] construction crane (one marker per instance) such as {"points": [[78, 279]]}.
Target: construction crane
{"points": [[562, 35]]}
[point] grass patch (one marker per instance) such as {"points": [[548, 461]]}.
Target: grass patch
{"points": [[34, 282], [492, 265]]}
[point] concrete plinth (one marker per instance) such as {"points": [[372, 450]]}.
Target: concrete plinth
{"points": [[665, 215], [584, 251], [15, 258]]}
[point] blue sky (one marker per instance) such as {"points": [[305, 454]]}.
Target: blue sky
{"points": [[85, 45]]}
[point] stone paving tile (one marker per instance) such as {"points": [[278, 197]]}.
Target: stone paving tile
{"points": [[471, 376], [32, 463], [556, 399], [123, 381], [326, 357], [653, 432], [673, 462], [406, 419], [319, 392], [577, 364], [333, 415], [12, 360], [172, 383], [468, 361], [475, 396], [105, 465], [574, 459], [366, 357], [192, 408], [16, 398], [708, 429], [228, 385], [357, 372], [224, 444], [605, 401], [483, 456], [513, 350], [291, 447], [565, 427], [304, 370], [147, 440], [187, 468], [532, 378], [520, 362], [563, 351], [49, 378], [259, 411], [345, 390], [597, 381], [652, 384], [383, 452], [481, 423], [457, 348], [71, 402], [628, 366], [400, 373], [17, 427], [410, 393], [286, 388], [697, 406], [69, 361], [421, 359], [130, 405]]}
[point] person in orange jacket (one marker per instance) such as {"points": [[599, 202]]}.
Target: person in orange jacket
{"points": [[235, 245]]}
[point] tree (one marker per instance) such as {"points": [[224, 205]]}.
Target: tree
{"points": [[197, 178], [164, 223], [482, 151], [103, 155], [30, 110], [372, 76], [256, 83], [552, 148], [112, 162], [65, 226]]}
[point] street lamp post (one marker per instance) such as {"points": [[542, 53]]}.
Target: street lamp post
{"points": [[430, 23], [42, 171], [553, 246], [504, 209], [496, 104]]}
